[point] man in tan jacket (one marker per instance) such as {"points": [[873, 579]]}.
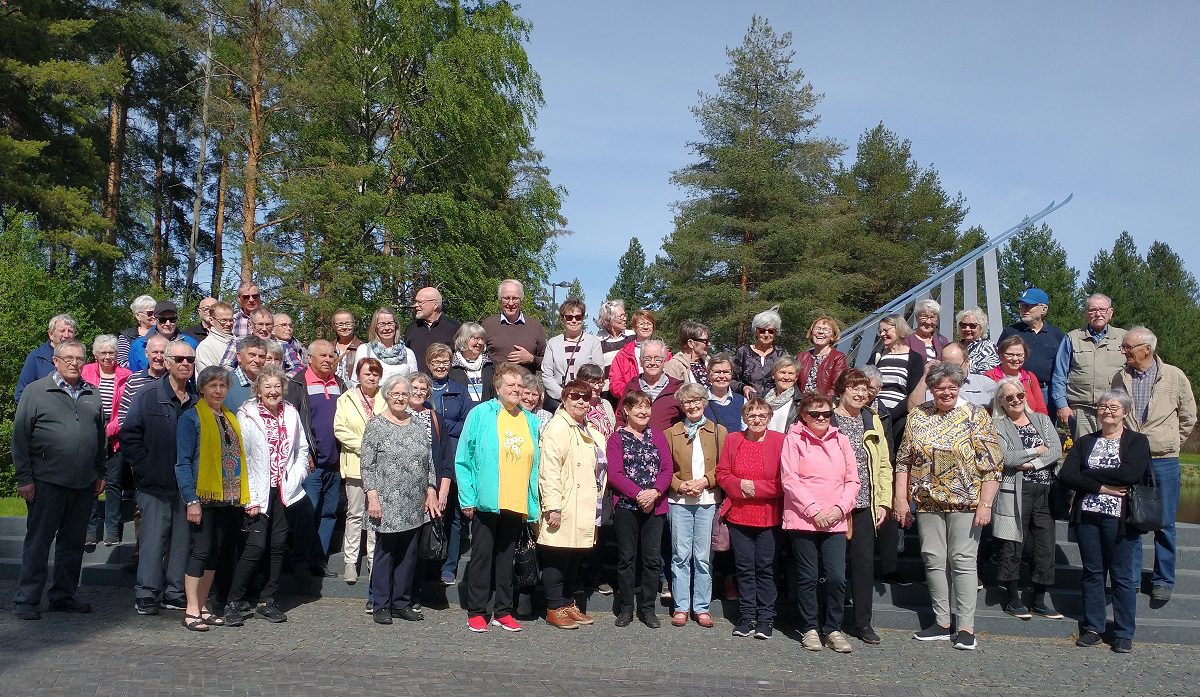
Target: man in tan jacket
{"points": [[1164, 409]]}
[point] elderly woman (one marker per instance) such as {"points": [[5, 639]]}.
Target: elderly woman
{"points": [[948, 465], [212, 478], [571, 478], [1013, 353], [627, 364], [385, 345], [819, 475], [640, 471], [724, 404], [497, 471], [470, 364], [345, 343], [748, 472], [972, 331], [1030, 448], [1101, 467], [355, 407], [695, 445], [688, 365], [753, 364], [819, 367], [925, 338], [276, 465], [450, 405], [401, 484], [567, 352], [614, 332], [533, 394], [865, 431], [110, 377], [782, 396], [900, 366], [142, 308]]}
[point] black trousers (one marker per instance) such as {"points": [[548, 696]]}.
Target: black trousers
{"points": [[393, 569], [831, 547], [493, 541], [886, 539], [754, 563], [58, 515], [861, 555], [639, 536], [216, 532], [261, 535], [560, 574], [1038, 529]]}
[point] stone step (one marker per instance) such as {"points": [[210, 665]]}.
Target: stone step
{"points": [[1068, 575]]}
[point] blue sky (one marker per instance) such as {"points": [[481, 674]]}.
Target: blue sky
{"points": [[1015, 104]]}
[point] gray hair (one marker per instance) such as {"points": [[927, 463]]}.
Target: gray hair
{"points": [[529, 381], [692, 390], [312, 347], [608, 310], [655, 342], [979, 315], [392, 381], [252, 341], [421, 377], [781, 363], [157, 338], [268, 372], [62, 345], [998, 402], [872, 373], [65, 318], [142, 303], [103, 341], [1117, 395], [945, 371], [211, 374], [926, 306], [768, 318], [1095, 296], [510, 281], [719, 358], [1146, 335], [466, 332], [172, 346]]}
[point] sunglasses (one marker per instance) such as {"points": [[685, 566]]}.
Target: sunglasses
{"points": [[1014, 397], [168, 319], [251, 296], [820, 415], [183, 359], [968, 325], [578, 395], [702, 341], [572, 318], [767, 330]]}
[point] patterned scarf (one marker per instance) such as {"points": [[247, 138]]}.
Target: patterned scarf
{"points": [[396, 355], [778, 400], [278, 442], [693, 427]]}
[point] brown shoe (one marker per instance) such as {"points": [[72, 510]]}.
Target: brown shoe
{"points": [[704, 620], [559, 617], [578, 615]]}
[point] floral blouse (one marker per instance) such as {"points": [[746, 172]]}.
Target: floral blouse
{"points": [[641, 460], [948, 457]]}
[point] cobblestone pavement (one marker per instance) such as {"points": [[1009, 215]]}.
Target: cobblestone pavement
{"points": [[329, 646]]}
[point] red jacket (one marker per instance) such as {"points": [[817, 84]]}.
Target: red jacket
{"points": [[91, 375], [765, 510], [827, 374], [625, 368], [1029, 382]]}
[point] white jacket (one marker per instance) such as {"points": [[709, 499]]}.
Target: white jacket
{"points": [[258, 456]]}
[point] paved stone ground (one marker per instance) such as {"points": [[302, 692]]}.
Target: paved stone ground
{"points": [[329, 646]]}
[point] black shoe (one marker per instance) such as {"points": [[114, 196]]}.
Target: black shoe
{"points": [[934, 632], [71, 605], [270, 612], [867, 635], [1122, 645], [1159, 594], [111, 539], [744, 628], [1088, 639], [624, 618], [145, 606], [1047, 612], [233, 615], [764, 630], [895, 580], [408, 614], [964, 641], [91, 540], [302, 573], [26, 612], [1019, 611], [382, 616], [649, 619], [174, 604], [370, 607]]}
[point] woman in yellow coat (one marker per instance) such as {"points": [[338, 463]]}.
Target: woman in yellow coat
{"points": [[571, 477], [354, 409]]}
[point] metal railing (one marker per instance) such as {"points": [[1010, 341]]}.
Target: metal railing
{"points": [[859, 342]]}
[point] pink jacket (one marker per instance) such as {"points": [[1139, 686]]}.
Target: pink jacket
{"points": [[625, 368], [817, 473], [91, 375]]}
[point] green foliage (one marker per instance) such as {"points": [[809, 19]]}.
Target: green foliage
{"points": [[575, 292], [635, 279], [1034, 259]]}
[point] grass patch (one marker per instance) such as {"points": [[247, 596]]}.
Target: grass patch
{"points": [[13, 506], [1189, 471], [1189, 458]]}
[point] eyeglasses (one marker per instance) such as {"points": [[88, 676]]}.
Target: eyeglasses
{"points": [[1110, 407], [968, 325], [652, 360], [426, 300], [397, 395], [283, 324], [820, 415], [439, 364], [511, 299], [71, 360], [720, 372], [860, 389], [758, 416], [381, 325], [1098, 310], [694, 403], [572, 318], [1014, 355], [766, 330], [183, 359], [1014, 397], [250, 296], [223, 320], [1127, 349], [575, 396]]}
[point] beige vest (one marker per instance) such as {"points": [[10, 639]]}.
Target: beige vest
{"points": [[1093, 365]]}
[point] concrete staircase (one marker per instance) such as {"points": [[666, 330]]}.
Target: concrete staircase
{"points": [[896, 606]]}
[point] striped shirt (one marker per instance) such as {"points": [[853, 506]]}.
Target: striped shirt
{"points": [[106, 394], [894, 368], [136, 383]]}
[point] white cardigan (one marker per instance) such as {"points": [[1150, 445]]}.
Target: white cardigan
{"points": [[258, 456], [554, 363]]}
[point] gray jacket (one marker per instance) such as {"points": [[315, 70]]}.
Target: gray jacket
{"points": [[58, 439], [1006, 512]]}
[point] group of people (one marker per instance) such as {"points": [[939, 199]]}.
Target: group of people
{"points": [[242, 445]]}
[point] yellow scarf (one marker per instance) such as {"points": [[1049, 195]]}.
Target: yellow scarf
{"points": [[209, 485]]}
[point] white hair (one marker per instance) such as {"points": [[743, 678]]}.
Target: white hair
{"points": [[1147, 336], [926, 306], [979, 315], [768, 318], [66, 319], [104, 341], [510, 281], [142, 303]]}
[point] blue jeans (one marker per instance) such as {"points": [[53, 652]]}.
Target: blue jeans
{"points": [[454, 528], [1166, 476], [106, 515], [691, 549], [1105, 551], [324, 489]]}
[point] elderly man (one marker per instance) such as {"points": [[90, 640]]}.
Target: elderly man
{"points": [[218, 348], [148, 444], [430, 326], [511, 336], [166, 316], [249, 300], [40, 361], [204, 312], [251, 357], [58, 449], [1164, 409], [156, 367], [1042, 338], [978, 389], [664, 410], [1083, 369], [314, 393], [293, 351]]}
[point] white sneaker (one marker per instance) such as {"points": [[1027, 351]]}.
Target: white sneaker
{"points": [[811, 640]]}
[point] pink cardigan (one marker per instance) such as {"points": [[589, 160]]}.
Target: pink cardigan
{"points": [[817, 473], [625, 368], [91, 375]]}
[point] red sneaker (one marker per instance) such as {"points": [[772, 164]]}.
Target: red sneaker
{"points": [[507, 623], [477, 624]]}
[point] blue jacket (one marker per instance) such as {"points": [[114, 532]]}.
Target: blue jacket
{"points": [[477, 462], [148, 436], [452, 405], [137, 349], [38, 364]]}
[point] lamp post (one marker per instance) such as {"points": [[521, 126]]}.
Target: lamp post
{"points": [[554, 300]]}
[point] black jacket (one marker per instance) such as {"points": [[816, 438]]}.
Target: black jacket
{"points": [[58, 439], [148, 436], [420, 335], [1134, 452], [488, 373]]}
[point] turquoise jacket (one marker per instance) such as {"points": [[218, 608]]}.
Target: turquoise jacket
{"points": [[477, 462]]}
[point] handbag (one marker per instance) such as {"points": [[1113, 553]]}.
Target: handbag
{"points": [[525, 562], [433, 543], [720, 534], [1145, 509]]}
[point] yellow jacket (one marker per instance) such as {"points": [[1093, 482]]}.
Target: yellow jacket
{"points": [[567, 482], [349, 422]]}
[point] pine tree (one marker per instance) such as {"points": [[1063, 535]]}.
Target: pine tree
{"points": [[575, 292], [633, 282], [1034, 259]]}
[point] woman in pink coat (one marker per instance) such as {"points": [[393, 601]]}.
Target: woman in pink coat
{"points": [[819, 474]]}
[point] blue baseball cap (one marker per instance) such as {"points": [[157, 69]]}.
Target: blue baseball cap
{"points": [[1034, 296]]}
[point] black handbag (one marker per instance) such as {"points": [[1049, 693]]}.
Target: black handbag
{"points": [[433, 543], [1144, 504], [525, 561], [1060, 499]]}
